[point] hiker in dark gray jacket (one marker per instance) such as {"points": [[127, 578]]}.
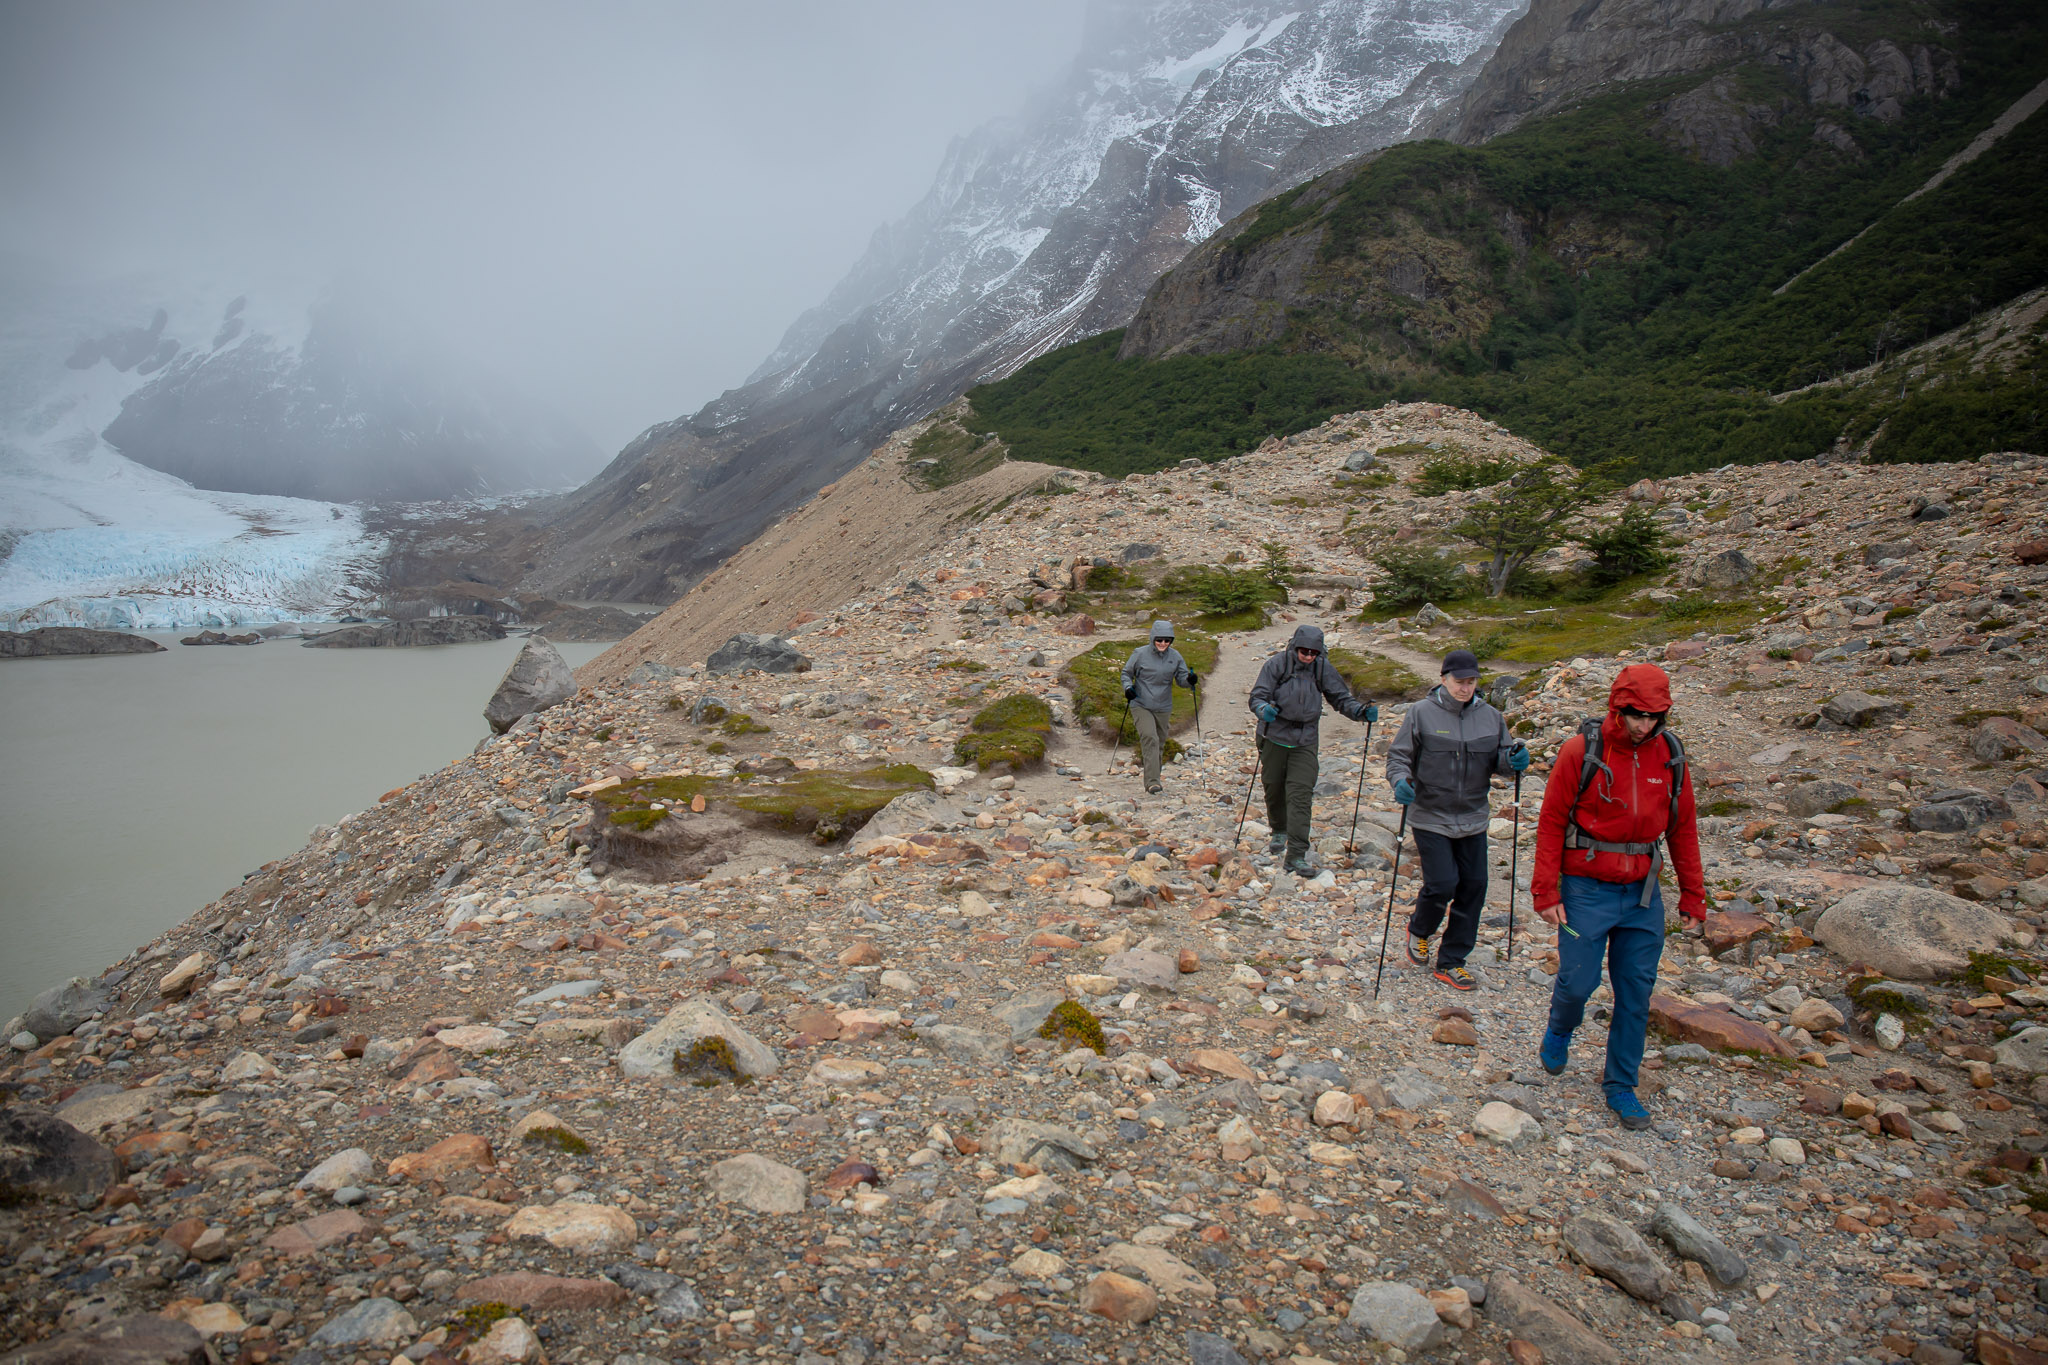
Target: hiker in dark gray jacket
{"points": [[1441, 765], [1288, 700], [1149, 676]]}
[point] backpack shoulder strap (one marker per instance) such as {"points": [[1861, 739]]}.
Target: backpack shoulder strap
{"points": [[1590, 761], [1676, 764]]}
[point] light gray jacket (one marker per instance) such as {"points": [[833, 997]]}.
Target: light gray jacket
{"points": [[1449, 752], [1154, 675]]}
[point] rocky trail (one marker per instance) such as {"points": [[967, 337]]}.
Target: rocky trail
{"points": [[1031, 1066]]}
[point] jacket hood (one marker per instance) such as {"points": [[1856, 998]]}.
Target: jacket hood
{"points": [[1307, 637], [1162, 630], [1643, 686]]}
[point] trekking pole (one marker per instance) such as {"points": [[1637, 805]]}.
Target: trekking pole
{"points": [[1258, 762], [1387, 929], [1197, 690], [1364, 756], [1514, 868], [1119, 737]]}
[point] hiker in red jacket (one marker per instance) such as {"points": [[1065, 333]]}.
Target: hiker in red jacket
{"points": [[1597, 860]]}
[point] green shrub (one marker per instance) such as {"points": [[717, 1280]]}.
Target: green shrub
{"points": [[1456, 473], [1631, 546], [1416, 575]]}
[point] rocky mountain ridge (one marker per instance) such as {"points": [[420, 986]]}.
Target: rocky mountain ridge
{"points": [[1037, 230], [1035, 1062]]}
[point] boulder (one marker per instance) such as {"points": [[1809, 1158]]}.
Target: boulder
{"points": [[586, 1229], [653, 1053], [43, 1157], [1687, 1237], [1138, 967], [1500, 1122], [373, 1322], [1358, 461], [1430, 616], [179, 980], [967, 1045], [1717, 1029], [1728, 569], [1952, 810], [1026, 1011], [1812, 798], [1135, 552], [350, 1166], [539, 678], [1119, 1298], [61, 1009], [764, 653], [1856, 710], [137, 1339], [1910, 933], [1876, 554], [1730, 928], [1609, 1247], [1522, 1312], [2024, 1051], [2002, 737], [1397, 1314], [753, 1181]]}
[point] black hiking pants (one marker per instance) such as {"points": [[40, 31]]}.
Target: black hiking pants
{"points": [[1453, 879]]}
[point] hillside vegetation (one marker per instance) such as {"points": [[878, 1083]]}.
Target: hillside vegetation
{"points": [[1595, 288]]}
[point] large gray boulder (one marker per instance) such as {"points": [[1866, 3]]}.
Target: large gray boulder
{"points": [[1522, 1312], [1952, 810], [1609, 1247], [43, 1157], [767, 653], [653, 1053], [1728, 569], [1911, 933], [539, 678], [61, 1009], [1859, 709], [1811, 798]]}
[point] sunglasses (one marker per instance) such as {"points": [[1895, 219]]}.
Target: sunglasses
{"points": [[1634, 714]]}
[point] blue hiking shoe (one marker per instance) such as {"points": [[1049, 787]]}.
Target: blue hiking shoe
{"points": [[1628, 1110], [1557, 1050]]}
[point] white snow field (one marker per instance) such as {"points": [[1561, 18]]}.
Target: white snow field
{"points": [[88, 537]]}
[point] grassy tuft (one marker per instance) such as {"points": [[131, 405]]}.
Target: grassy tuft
{"points": [[557, 1139], [1073, 1025], [708, 1062]]}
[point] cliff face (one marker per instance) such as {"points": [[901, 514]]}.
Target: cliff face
{"points": [[1037, 231], [1426, 268]]}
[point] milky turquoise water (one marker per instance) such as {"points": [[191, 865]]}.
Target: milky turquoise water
{"points": [[136, 788]]}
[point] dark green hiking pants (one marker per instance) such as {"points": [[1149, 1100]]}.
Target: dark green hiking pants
{"points": [[1290, 778]]}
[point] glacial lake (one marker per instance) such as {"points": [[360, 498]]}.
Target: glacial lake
{"points": [[135, 788]]}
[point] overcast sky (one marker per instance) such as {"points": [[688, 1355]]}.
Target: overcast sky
{"points": [[620, 205]]}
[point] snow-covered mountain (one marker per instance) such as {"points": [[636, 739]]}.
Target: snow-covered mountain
{"points": [[173, 456], [1039, 229]]}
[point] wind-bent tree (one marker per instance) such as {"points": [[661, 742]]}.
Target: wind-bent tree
{"points": [[1520, 519]]}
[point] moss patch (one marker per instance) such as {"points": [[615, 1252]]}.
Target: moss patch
{"points": [[739, 723], [1524, 630], [1976, 718], [825, 804], [1073, 1025], [557, 1139], [708, 1062], [1012, 730], [475, 1321], [1724, 807], [1096, 678], [1984, 965]]}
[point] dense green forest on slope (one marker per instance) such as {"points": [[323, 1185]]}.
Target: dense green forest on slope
{"points": [[1638, 317]]}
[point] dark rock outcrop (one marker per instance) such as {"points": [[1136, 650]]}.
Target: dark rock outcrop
{"points": [[138, 1339], [428, 630], [59, 641], [767, 653], [43, 1157]]}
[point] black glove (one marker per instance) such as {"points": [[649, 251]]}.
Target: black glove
{"points": [[1194, 679], [1130, 694]]}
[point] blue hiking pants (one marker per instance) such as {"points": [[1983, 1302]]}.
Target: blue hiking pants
{"points": [[1611, 925]]}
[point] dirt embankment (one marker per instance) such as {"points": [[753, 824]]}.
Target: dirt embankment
{"points": [[852, 536]]}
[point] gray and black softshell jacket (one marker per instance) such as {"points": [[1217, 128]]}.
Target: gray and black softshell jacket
{"points": [[1154, 675], [1449, 751]]}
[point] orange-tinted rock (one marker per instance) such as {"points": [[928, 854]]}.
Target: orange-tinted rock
{"points": [[815, 1021], [1190, 961], [863, 953], [1730, 928], [183, 1233], [309, 1236], [1045, 938], [1119, 1298], [1992, 1347], [462, 1152], [1455, 1033], [443, 1065], [529, 1289], [1714, 1029], [1081, 624], [144, 1148]]}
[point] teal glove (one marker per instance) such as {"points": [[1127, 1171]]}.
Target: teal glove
{"points": [[1518, 757], [1404, 792], [1269, 713], [1372, 712]]}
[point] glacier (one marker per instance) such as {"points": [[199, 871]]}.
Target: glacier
{"points": [[91, 538]]}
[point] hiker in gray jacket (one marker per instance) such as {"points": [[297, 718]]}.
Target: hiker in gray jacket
{"points": [[1149, 676], [1288, 700], [1441, 765]]}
